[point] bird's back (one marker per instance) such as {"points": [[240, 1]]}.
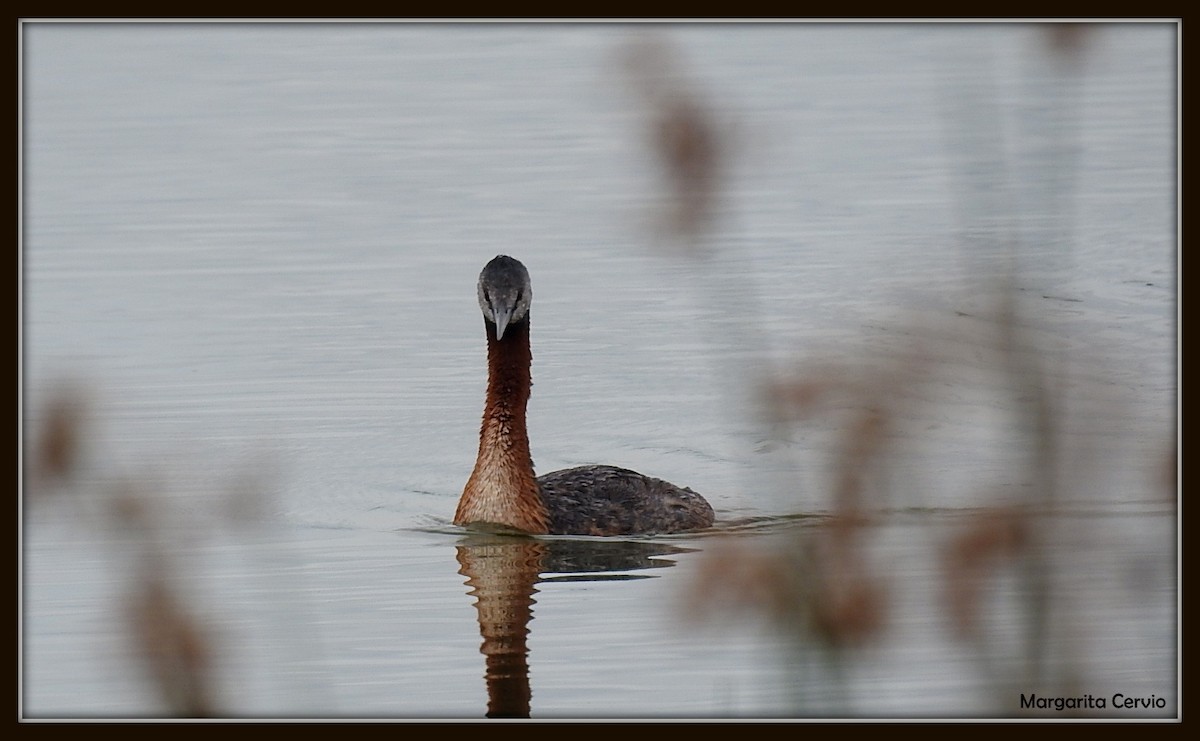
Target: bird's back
{"points": [[607, 500]]}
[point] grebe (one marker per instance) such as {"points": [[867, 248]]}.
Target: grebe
{"points": [[504, 494]]}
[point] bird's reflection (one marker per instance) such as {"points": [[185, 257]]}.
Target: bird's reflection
{"points": [[502, 571]]}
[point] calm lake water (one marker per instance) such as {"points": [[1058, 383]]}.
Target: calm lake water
{"points": [[255, 246]]}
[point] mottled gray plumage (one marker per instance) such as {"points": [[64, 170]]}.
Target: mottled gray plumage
{"points": [[606, 500]]}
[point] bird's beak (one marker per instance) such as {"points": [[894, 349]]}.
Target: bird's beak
{"points": [[502, 314]]}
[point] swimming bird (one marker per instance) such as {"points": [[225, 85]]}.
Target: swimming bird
{"points": [[503, 493]]}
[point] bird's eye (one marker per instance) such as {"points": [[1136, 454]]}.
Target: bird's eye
{"points": [[519, 295]]}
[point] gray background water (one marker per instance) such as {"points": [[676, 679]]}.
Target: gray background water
{"points": [[256, 245]]}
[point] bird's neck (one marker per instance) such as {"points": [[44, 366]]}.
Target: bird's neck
{"points": [[503, 491]]}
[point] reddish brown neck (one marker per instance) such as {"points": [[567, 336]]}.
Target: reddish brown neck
{"points": [[503, 490], [509, 378]]}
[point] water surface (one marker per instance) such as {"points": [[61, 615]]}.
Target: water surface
{"points": [[256, 246]]}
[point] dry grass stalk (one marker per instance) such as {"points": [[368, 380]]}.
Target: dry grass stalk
{"points": [[992, 539], [174, 648], [683, 135], [172, 643], [58, 449]]}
